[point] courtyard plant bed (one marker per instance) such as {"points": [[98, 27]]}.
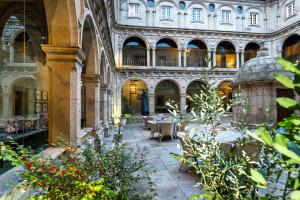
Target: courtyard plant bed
{"points": [[81, 173]]}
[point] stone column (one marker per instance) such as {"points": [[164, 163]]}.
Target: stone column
{"points": [[103, 104], [92, 85], [182, 103], [154, 15], [179, 58], [6, 105], [153, 58], [184, 58], [148, 57], [237, 59], [214, 59], [65, 66], [209, 64], [147, 17], [109, 105], [151, 104], [121, 56], [242, 58], [11, 53]]}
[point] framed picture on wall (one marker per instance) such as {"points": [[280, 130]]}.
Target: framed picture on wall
{"points": [[45, 107], [38, 107], [38, 95], [45, 96]]}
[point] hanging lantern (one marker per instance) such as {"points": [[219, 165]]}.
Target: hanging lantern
{"points": [[133, 88]]}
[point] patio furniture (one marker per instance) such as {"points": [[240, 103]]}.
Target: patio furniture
{"points": [[166, 129], [154, 128]]}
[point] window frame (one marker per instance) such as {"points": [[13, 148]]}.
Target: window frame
{"points": [[253, 18], [164, 14], [134, 10], [224, 19], [290, 13], [200, 15]]}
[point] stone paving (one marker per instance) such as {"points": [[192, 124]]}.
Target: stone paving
{"points": [[170, 183]]}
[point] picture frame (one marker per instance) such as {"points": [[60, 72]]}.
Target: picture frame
{"points": [[45, 96], [38, 95], [45, 107], [38, 107]]}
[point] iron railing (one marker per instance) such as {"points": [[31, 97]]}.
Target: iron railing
{"points": [[135, 61], [167, 62], [196, 63]]}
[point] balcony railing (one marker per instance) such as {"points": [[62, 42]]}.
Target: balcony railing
{"points": [[135, 61], [196, 63], [167, 62]]}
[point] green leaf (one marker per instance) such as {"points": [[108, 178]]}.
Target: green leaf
{"points": [[265, 136], [295, 195], [285, 151], [288, 66], [288, 103], [281, 139], [255, 136], [284, 80], [257, 177]]}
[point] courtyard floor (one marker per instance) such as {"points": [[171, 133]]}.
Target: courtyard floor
{"points": [[169, 182]]}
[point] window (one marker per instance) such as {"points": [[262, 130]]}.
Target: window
{"points": [[253, 18], [197, 14], [211, 7], [182, 5], [290, 9], [226, 16], [150, 3], [134, 10], [166, 12]]}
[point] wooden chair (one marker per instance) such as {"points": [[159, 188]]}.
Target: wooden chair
{"points": [[166, 129]]}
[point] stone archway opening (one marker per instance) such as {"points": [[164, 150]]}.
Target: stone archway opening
{"points": [[23, 97], [134, 52], [250, 51], [225, 55], [196, 54], [23, 49], [132, 96], [166, 53], [225, 90], [194, 88], [165, 91], [291, 49]]}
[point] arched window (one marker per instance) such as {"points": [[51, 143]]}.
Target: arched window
{"points": [[194, 88], [196, 54], [165, 91], [23, 48], [134, 52], [166, 53], [182, 5], [291, 49], [226, 57], [150, 3], [225, 90], [250, 51]]}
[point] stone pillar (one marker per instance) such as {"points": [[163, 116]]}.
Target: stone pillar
{"points": [[184, 58], [179, 58], [153, 58], [242, 58], [182, 103], [121, 56], [148, 57], [11, 53], [6, 105], [65, 66], [151, 104], [109, 105], [209, 64], [147, 17], [92, 84], [153, 20], [103, 104], [214, 61], [237, 59]]}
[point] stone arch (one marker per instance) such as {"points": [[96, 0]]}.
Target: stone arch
{"points": [[197, 38], [132, 90], [250, 50], [136, 36], [197, 3], [197, 53], [168, 37], [291, 48], [166, 52], [165, 90], [226, 54], [134, 51], [258, 9], [227, 40], [66, 35], [226, 5], [193, 88]]}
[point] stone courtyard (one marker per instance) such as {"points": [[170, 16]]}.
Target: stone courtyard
{"points": [[170, 182]]}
